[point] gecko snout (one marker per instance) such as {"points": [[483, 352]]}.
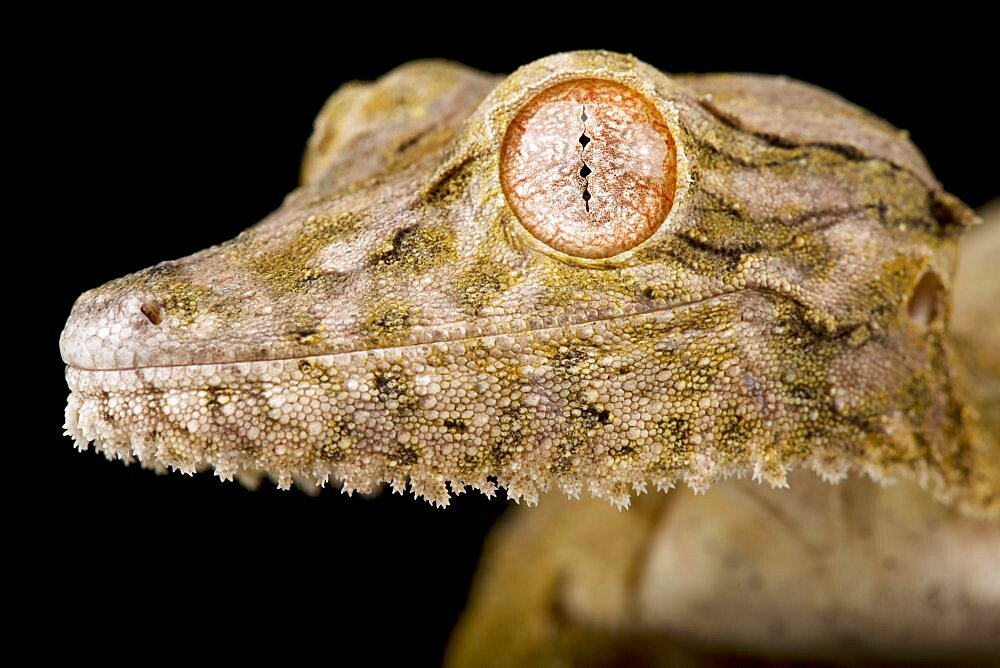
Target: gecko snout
{"points": [[156, 317], [108, 328]]}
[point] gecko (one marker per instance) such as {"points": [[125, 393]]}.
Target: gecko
{"points": [[588, 275]]}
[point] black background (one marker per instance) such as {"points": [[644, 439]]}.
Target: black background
{"points": [[162, 135]]}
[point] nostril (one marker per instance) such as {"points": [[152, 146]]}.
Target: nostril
{"points": [[153, 312], [927, 301]]}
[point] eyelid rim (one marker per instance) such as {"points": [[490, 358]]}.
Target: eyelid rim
{"points": [[590, 84], [510, 96]]}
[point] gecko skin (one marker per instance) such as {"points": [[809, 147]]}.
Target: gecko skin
{"points": [[395, 320]]}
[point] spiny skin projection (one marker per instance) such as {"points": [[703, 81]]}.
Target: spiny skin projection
{"points": [[395, 320], [589, 168]]}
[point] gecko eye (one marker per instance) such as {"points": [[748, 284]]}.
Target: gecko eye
{"points": [[589, 168]]}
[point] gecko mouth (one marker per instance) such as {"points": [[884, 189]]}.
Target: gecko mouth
{"points": [[511, 408]]}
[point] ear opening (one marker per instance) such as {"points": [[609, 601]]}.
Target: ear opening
{"points": [[926, 304]]}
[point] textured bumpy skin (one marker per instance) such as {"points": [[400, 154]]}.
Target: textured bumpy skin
{"points": [[393, 320], [849, 574]]}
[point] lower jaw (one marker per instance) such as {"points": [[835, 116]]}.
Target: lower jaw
{"points": [[611, 406]]}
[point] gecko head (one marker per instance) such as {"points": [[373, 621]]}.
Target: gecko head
{"points": [[588, 273]]}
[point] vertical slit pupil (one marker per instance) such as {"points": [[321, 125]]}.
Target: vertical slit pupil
{"points": [[585, 170]]}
